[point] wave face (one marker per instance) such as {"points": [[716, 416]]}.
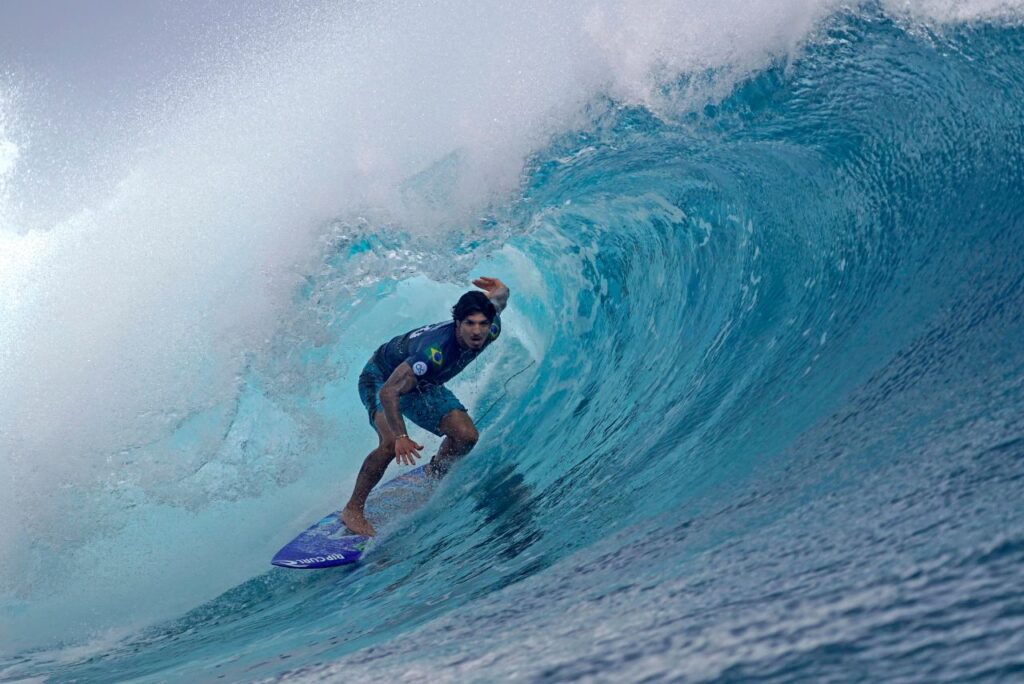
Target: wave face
{"points": [[773, 427]]}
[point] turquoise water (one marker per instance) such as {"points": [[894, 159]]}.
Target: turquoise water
{"points": [[772, 430]]}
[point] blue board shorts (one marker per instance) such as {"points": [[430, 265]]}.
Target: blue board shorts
{"points": [[424, 406]]}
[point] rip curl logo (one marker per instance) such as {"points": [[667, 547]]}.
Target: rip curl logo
{"points": [[436, 357], [306, 562], [495, 331], [419, 368]]}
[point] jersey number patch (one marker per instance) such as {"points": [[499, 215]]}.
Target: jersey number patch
{"points": [[426, 328]]}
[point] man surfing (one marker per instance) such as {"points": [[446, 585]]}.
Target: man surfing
{"points": [[406, 376]]}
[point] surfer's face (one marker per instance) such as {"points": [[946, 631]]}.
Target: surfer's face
{"points": [[473, 331]]}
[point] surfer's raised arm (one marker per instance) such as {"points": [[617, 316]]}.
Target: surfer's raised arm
{"points": [[496, 291], [402, 381]]}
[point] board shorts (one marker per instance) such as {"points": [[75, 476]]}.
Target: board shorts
{"points": [[425, 406]]}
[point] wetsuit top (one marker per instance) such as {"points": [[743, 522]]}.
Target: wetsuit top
{"points": [[432, 351]]}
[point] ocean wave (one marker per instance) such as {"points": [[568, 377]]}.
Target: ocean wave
{"points": [[773, 307]]}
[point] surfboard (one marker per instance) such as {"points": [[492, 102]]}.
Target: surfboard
{"points": [[327, 542]]}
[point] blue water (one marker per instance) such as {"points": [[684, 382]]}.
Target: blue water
{"points": [[774, 429]]}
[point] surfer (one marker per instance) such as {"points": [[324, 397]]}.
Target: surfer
{"points": [[406, 375]]}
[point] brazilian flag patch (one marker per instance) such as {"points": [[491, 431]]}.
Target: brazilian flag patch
{"points": [[436, 357]]}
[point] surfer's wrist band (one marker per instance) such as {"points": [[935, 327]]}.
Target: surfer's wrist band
{"points": [[401, 436]]}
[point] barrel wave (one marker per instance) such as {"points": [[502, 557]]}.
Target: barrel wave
{"points": [[756, 412]]}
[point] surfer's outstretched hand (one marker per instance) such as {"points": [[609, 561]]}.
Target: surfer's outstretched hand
{"points": [[407, 451], [489, 285], [496, 290]]}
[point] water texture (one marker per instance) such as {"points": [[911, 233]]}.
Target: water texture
{"points": [[770, 307]]}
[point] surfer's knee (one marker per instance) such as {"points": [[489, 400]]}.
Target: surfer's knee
{"points": [[462, 432], [468, 436], [385, 441], [384, 452]]}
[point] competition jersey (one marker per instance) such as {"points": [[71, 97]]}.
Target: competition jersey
{"points": [[432, 351]]}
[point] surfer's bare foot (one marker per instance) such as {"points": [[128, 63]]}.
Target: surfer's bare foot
{"points": [[357, 522]]}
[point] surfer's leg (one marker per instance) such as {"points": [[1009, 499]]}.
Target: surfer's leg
{"points": [[460, 436], [369, 475]]}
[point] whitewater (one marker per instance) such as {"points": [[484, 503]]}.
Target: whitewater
{"points": [[756, 413]]}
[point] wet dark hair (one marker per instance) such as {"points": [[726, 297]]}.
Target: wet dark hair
{"points": [[473, 302]]}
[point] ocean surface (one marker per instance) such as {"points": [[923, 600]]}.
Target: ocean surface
{"points": [[756, 414]]}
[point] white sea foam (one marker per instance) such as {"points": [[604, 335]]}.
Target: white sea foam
{"points": [[958, 11], [9, 153]]}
